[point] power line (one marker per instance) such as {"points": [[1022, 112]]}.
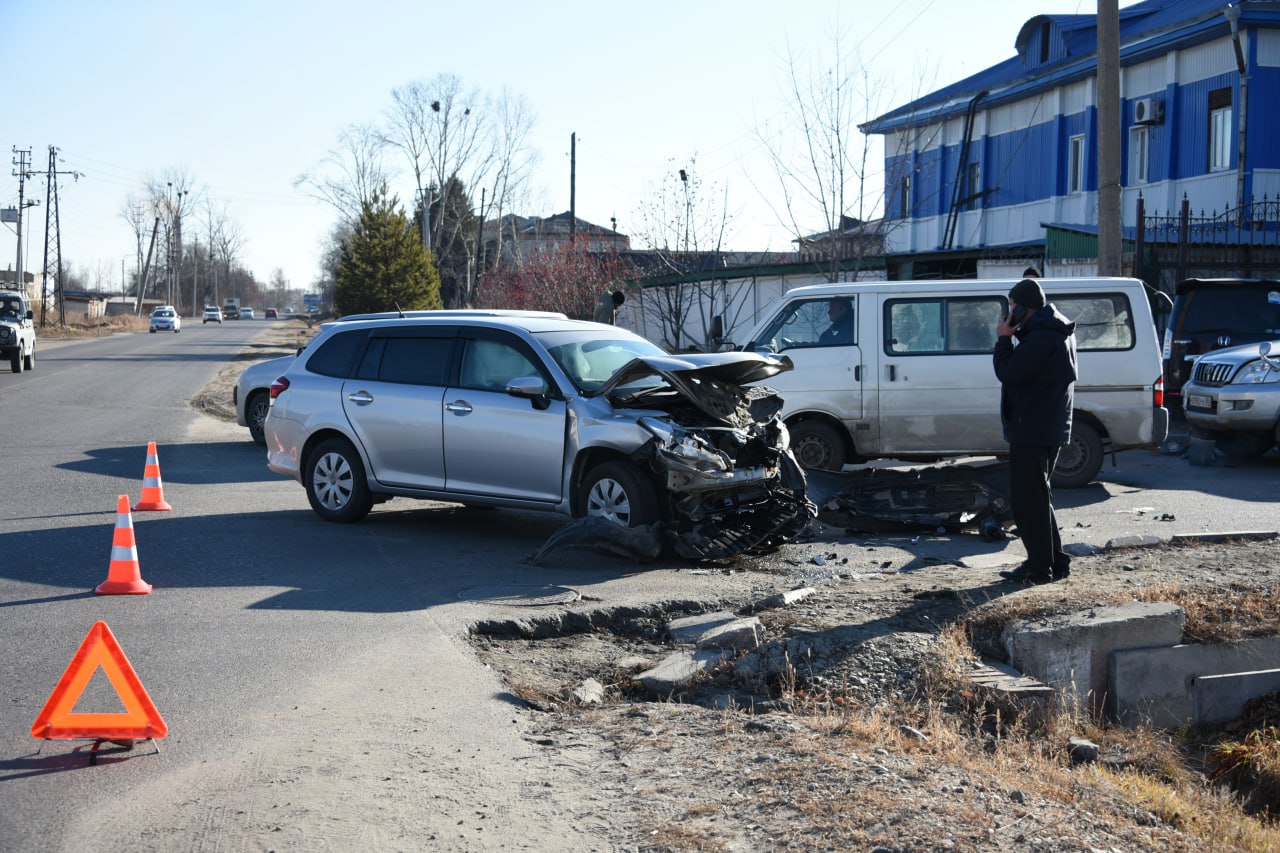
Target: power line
{"points": [[52, 231]]}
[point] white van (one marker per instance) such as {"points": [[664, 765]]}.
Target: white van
{"points": [[915, 378]]}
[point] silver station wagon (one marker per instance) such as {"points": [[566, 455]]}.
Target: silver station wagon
{"points": [[537, 411]]}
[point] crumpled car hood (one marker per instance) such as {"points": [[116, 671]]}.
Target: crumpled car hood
{"points": [[691, 375]]}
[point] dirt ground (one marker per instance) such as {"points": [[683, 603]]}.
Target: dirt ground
{"points": [[868, 740]]}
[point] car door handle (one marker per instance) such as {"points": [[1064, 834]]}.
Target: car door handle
{"points": [[362, 398], [460, 406], [892, 372]]}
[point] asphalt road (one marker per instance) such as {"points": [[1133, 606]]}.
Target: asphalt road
{"points": [[302, 666]]}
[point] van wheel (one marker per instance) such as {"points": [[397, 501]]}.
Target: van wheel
{"points": [[335, 482], [618, 493], [1080, 460], [818, 446]]}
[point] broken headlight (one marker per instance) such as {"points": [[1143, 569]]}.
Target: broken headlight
{"points": [[687, 449]]}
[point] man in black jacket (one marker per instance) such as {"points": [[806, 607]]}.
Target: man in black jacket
{"points": [[1037, 383]]}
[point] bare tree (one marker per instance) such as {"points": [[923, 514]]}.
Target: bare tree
{"points": [[447, 133], [822, 161], [350, 173], [685, 223]]}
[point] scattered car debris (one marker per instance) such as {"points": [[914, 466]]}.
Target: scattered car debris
{"points": [[942, 499]]}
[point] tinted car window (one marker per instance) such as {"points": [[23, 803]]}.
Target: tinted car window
{"points": [[336, 356], [1227, 310], [414, 361]]}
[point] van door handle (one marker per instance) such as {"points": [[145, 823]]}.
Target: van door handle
{"points": [[892, 371], [460, 406], [361, 397], [857, 373]]}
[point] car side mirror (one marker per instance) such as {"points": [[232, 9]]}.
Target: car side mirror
{"points": [[717, 328], [1264, 352], [531, 388], [30, 314]]}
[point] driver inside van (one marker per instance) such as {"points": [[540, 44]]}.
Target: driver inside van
{"points": [[10, 309], [840, 313]]}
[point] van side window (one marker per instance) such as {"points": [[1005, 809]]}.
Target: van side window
{"points": [[1104, 321], [812, 323], [941, 325]]}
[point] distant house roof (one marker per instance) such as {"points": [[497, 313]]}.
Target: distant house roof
{"points": [[1053, 50]]}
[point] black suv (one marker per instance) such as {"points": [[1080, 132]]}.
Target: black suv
{"points": [[1212, 313]]}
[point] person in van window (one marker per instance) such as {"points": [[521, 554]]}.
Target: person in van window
{"points": [[1031, 272], [1037, 389], [840, 313], [10, 309]]}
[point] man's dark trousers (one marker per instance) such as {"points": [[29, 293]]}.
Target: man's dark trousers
{"points": [[1030, 466]]}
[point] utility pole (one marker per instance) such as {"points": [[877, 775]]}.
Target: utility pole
{"points": [[1108, 86], [22, 171], [573, 189], [52, 228]]}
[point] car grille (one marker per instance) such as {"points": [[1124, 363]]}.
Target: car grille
{"points": [[1213, 373]]}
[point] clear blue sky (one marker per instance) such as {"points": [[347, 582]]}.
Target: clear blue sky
{"points": [[245, 95]]}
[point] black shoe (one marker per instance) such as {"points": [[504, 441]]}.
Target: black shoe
{"points": [[1061, 573], [1024, 574]]}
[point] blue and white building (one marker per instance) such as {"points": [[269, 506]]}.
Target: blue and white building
{"points": [[999, 170]]}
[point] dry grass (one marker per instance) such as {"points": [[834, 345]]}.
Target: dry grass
{"points": [[78, 327]]}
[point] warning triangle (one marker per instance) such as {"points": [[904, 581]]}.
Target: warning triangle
{"points": [[58, 718]]}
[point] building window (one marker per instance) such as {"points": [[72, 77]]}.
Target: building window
{"points": [[1075, 167], [905, 189], [1219, 130], [1138, 147], [973, 187]]}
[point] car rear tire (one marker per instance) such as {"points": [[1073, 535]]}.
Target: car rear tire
{"points": [[1080, 459], [335, 482], [255, 414], [818, 446], [618, 493]]}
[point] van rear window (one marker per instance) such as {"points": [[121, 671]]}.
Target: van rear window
{"points": [[1104, 321]]}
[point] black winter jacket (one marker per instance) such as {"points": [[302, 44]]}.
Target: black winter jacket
{"points": [[1037, 380]]}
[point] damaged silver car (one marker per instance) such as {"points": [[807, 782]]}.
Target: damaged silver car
{"points": [[650, 450]]}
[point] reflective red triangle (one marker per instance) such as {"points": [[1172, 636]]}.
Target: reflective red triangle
{"points": [[140, 718]]}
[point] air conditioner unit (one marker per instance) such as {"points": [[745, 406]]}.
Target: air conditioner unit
{"points": [[1148, 111]]}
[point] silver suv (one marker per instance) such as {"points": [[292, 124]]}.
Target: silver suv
{"points": [[1233, 397], [540, 412], [17, 331]]}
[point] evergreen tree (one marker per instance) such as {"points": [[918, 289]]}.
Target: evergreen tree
{"points": [[453, 226], [384, 264]]}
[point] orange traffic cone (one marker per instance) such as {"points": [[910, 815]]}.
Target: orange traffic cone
{"points": [[125, 575], [152, 488]]}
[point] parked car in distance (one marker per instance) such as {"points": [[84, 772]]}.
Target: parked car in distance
{"points": [[270, 314], [212, 314], [1214, 313], [246, 313], [539, 412], [1233, 397], [252, 394], [165, 319], [17, 331]]}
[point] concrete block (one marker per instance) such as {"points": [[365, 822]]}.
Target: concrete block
{"points": [[1081, 549], [1200, 451], [1071, 652], [677, 670], [1221, 698], [1144, 541], [1226, 536], [743, 634], [998, 560], [1155, 685], [687, 629], [783, 599]]}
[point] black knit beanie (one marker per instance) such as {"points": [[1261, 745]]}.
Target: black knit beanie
{"points": [[1028, 294]]}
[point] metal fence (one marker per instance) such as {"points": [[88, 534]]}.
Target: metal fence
{"points": [[1240, 239]]}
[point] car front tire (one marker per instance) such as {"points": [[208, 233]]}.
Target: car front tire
{"points": [[618, 493], [15, 360], [30, 361], [336, 484], [1080, 459]]}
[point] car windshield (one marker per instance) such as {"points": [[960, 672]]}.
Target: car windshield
{"points": [[163, 314], [590, 360]]}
